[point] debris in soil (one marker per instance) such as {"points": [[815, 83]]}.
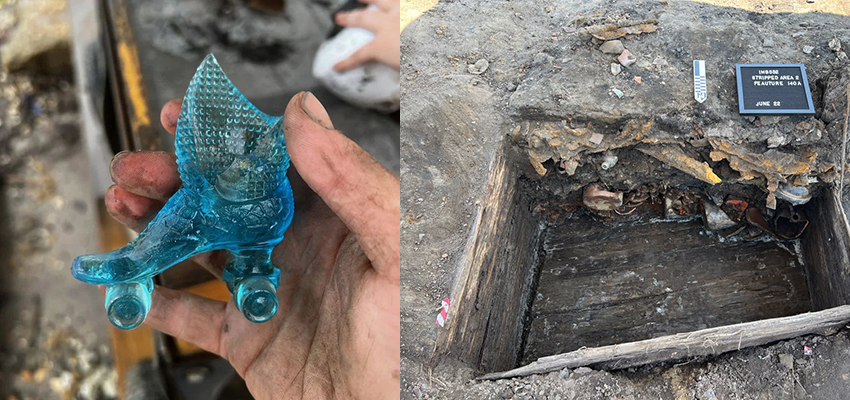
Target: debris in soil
{"points": [[602, 200], [479, 67], [609, 161], [612, 47], [786, 360], [615, 31], [773, 165], [618, 93], [627, 58], [674, 156], [615, 68], [714, 218], [790, 223], [796, 195], [444, 309]]}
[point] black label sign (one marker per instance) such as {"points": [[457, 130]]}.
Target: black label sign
{"points": [[773, 89]]}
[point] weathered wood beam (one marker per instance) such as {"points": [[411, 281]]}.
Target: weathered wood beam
{"points": [[704, 342], [826, 247]]}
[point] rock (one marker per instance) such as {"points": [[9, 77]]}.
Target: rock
{"points": [[768, 42], [41, 41], [612, 47], [775, 141], [786, 360], [564, 374], [615, 68], [596, 138], [808, 49], [582, 371], [627, 58], [797, 34], [638, 80], [479, 67], [835, 44], [506, 392], [617, 92]]}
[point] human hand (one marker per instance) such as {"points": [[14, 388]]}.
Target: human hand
{"points": [[337, 331], [383, 21]]}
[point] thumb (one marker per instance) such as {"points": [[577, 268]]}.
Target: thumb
{"points": [[363, 193]]}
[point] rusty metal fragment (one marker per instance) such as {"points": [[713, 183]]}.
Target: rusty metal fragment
{"points": [[554, 141], [754, 218], [601, 200], [773, 165], [790, 223], [616, 31], [675, 157]]}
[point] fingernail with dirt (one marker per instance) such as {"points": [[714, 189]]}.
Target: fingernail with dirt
{"points": [[314, 109], [116, 162]]}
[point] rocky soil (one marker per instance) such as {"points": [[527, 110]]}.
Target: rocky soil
{"points": [[544, 74]]}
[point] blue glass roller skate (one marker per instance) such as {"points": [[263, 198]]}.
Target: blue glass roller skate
{"points": [[232, 160]]}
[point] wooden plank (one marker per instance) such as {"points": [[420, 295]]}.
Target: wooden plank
{"points": [[826, 245], [685, 345], [488, 306], [603, 283]]}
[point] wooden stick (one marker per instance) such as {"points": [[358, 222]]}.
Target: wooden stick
{"points": [[692, 344]]}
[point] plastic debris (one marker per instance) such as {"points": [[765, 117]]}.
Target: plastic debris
{"points": [[444, 310], [232, 160], [601, 200], [807, 350], [619, 93]]}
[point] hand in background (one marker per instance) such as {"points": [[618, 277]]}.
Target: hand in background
{"points": [[383, 21], [336, 332]]}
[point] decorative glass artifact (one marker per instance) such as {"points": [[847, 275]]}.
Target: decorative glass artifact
{"points": [[232, 160]]}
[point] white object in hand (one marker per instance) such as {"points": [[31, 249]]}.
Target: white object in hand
{"points": [[373, 85]]}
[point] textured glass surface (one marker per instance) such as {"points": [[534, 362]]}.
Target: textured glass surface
{"points": [[232, 160]]}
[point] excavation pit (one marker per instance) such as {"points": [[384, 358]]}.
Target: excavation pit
{"points": [[543, 282]]}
